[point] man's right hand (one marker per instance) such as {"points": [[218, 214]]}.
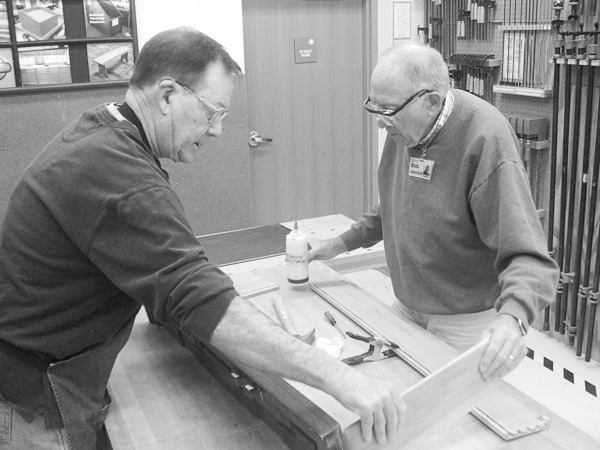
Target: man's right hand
{"points": [[324, 248], [378, 403]]}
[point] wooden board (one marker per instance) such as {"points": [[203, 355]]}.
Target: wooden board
{"points": [[250, 284], [442, 398], [244, 245], [436, 402]]}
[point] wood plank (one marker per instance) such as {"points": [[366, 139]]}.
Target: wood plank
{"points": [[441, 398], [323, 226], [438, 400], [360, 261], [250, 284], [244, 245]]}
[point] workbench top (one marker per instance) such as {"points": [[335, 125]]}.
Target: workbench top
{"points": [[163, 398]]}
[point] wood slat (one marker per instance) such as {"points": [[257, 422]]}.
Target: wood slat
{"points": [[438, 400], [249, 284]]}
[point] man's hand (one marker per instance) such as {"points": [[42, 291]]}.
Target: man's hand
{"points": [[324, 248], [379, 405], [506, 348]]}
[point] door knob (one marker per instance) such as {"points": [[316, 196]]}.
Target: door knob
{"points": [[254, 139]]}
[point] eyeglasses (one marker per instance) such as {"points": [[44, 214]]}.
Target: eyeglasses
{"points": [[215, 111], [374, 109]]}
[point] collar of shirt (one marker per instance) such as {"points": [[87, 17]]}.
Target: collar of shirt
{"points": [[124, 112], [441, 120]]}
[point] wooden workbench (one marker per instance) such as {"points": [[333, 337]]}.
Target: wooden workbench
{"points": [[163, 398]]}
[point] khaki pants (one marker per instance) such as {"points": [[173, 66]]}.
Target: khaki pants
{"points": [[461, 331]]}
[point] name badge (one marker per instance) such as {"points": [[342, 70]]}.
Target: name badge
{"points": [[421, 168]]}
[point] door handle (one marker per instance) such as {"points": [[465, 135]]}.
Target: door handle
{"points": [[254, 139]]}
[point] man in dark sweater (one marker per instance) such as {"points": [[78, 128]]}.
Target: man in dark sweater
{"points": [[463, 242], [94, 230]]}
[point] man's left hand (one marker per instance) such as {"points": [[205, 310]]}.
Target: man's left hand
{"points": [[506, 348]]}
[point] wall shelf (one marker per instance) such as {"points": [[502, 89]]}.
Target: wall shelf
{"points": [[522, 91], [575, 61], [526, 27]]}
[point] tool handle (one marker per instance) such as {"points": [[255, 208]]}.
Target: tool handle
{"points": [[330, 318], [354, 360], [358, 337], [283, 314]]}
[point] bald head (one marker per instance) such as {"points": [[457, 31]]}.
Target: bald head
{"points": [[408, 68]]}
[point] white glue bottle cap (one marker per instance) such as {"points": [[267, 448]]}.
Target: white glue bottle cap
{"points": [[296, 245]]}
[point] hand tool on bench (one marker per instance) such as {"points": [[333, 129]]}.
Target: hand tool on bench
{"points": [[286, 321], [377, 350], [332, 321]]}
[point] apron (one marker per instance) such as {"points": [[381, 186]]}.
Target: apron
{"points": [[80, 402], [79, 385]]}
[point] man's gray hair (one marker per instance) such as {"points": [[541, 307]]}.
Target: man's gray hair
{"points": [[413, 67], [181, 53]]}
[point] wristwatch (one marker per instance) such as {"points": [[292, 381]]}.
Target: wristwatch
{"points": [[521, 326]]}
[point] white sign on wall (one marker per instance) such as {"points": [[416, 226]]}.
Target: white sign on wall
{"points": [[401, 20]]}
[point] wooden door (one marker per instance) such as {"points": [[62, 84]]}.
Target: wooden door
{"points": [[317, 163]]}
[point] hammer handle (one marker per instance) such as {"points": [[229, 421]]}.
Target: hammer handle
{"points": [[283, 314]]}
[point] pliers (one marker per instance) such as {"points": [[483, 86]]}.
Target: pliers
{"points": [[376, 350]]}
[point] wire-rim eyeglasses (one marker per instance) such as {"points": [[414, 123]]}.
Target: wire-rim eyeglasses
{"points": [[374, 109], [216, 112]]}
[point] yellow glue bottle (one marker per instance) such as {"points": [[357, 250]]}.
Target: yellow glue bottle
{"points": [[296, 245]]}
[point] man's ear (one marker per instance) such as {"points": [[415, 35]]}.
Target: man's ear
{"points": [[166, 89], [435, 102]]}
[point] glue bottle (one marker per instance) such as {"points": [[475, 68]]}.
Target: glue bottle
{"points": [[296, 245]]}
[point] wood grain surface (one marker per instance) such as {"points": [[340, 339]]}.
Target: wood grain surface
{"points": [[443, 397], [163, 399]]}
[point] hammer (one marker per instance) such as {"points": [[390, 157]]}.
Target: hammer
{"points": [[286, 320]]}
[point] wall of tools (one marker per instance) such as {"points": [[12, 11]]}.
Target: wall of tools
{"points": [[537, 62]]}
